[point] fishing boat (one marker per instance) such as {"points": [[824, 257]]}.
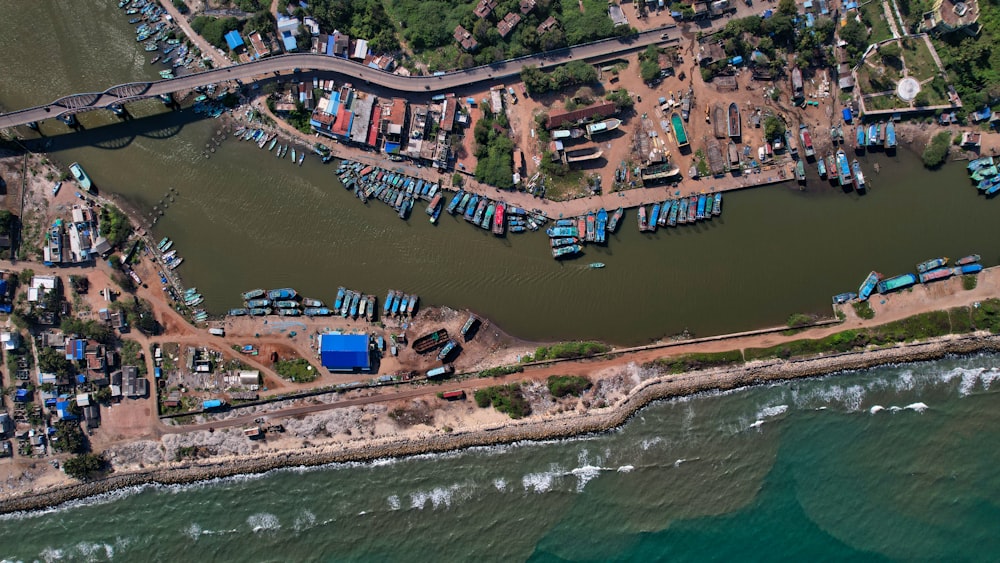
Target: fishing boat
{"points": [[653, 216], [931, 264], [868, 285], [155, 59], [692, 208], [988, 183], [596, 265], [800, 171], [387, 306], [411, 305], [735, 129], [563, 241], [842, 298], [615, 218], [831, 167], [307, 302], [581, 226], [970, 259], [873, 134], [173, 265], [498, 218], [591, 227], [859, 179], [936, 274], [284, 293], [293, 154], [896, 283], [162, 243], [239, 312], [700, 212], [488, 215], [469, 323], [55, 188], [984, 173], [806, 138], [969, 269], [453, 204], [556, 232], [430, 341], [602, 225], [564, 251], [263, 302], [890, 135], [717, 204], [274, 141], [603, 126], [642, 217], [672, 217], [843, 168], [447, 350], [81, 176], [679, 134], [860, 134], [980, 163], [821, 167], [302, 156], [683, 213], [289, 312], [316, 312]]}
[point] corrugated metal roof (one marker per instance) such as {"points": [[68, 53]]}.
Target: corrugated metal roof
{"points": [[344, 352]]}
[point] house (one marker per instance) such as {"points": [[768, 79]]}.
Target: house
{"points": [[508, 23], [360, 49], [341, 44], [465, 39], [135, 385], [288, 30], [233, 40], [258, 44], [527, 6], [40, 285], [562, 117], [392, 119], [249, 377], [710, 53], [485, 8], [10, 340], [617, 15], [951, 16], [971, 139], [312, 25], [101, 246], [344, 352], [548, 25], [92, 414]]}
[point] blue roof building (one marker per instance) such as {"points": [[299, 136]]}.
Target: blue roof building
{"points": [[234, 40], [288, 40], [344, 352]]}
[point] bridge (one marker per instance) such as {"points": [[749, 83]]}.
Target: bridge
{"points": [[269, 67]]}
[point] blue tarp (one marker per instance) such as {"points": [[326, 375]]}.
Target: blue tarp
{"points": [[234, 40], [392, 148], [80, 378], [22, 396], [737, 60], [847, 115], [767, 14], [211, 404], [344, 352], [157, 372]]}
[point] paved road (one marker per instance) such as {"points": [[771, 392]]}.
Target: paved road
{"points": [[268, 67]]}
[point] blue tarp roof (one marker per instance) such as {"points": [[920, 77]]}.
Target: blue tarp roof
{"points": [[737, 60], [847, 115], [234, 40], [80, 378], [392, 148], [289, 41], [344, 352]]}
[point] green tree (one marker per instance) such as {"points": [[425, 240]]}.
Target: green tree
{"points": [[85, 466], [787, 7], [936, 151], [52, 361], [773, 127], [621, 98], [115, 225], [70, 438]]}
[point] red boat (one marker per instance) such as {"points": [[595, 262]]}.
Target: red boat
{"points": [[642, 217], [498, 219]]}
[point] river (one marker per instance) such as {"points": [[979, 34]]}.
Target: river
{"points": [[242, 219]]}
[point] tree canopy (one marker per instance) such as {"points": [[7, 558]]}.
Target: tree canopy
{"points": [[115, 225]]}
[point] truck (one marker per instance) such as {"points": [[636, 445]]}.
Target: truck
{"points": [[440, 371], [217, 331], [453, 395]]}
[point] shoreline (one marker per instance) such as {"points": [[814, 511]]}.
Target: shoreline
{"points": [[661, 387]]}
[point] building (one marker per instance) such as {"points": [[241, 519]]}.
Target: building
{"points": [[259, 46], [617, 14], [360, 49], [951, 16], [508, 23], [344, 352], [361, 124], [341, 44], [249, 377], [392, 120], [312, 25], [527, 6], [288, 30], [40, 285], [547, 25], [465, 39], [135, 385], [233, 40], [10, 340], [562, 117], [485, 8]]}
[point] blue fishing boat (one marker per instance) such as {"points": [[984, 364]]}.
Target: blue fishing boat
{"points": [[873, 134], [993, 189], [717, 204], [861, 141], [615, 219], [454, 202], [702, 199], [397, 301], [980, 163], [252, 303], [252, 294], [286, 304], [238, 312], [682, 216], [461, 205], [316, 312], [868, 285], [387, 306], [672, 217], [843, 168], [988, 183], [564, 251], [602, 225], [821, 167], [896, 283], [354, 304], [859, 179], [447, 350], [890, 135], [842, 298], [284, 293], [653, 216], [470, 210], [261, 311], [931, 264], [969, 269]]}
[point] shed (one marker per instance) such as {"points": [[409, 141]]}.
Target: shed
{"points": [[847, 115], [344, 352], [234, 40]]}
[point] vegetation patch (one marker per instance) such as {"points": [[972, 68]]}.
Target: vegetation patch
{"points": [[798, 320], [494, 151], [936, 151], [961, 319], [85, 466], [132, 355], [567, 350], [969, 282], [500, 371], [562, 385], [864, 310], [298, 370], [417, 413], [507, 399], [986, 316], [573, 73], [696, 361]]}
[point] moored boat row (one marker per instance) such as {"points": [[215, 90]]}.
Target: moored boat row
{"points": [[928, 271]]}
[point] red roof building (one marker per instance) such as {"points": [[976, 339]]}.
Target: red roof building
{"points": [[508, 23], [563, 117], [485, 8]]}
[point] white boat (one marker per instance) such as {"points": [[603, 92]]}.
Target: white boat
{"points": [[55, 188]]}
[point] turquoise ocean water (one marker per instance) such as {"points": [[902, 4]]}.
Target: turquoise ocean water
{"points": [[887, 464]]}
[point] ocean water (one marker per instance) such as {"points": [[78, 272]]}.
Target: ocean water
{"points": [[892, 463]]}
